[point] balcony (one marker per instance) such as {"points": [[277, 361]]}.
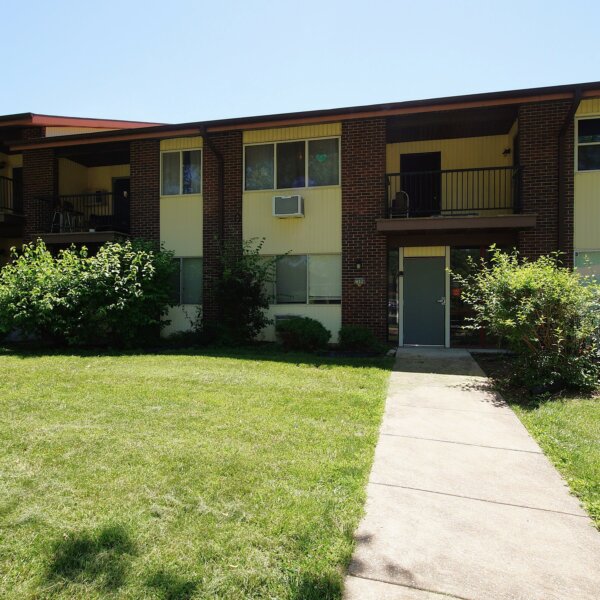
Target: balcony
{"points": [[11, 207], [454, 199], [96, 217]]}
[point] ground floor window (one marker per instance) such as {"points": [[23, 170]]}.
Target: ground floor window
{"points": [[187, 281], [307, 279], [392, 292], [587, 263]]}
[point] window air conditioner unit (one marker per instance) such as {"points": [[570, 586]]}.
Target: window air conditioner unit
{"points": [[288, 206]]}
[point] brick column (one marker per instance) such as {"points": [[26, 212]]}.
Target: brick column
{"points": [[144, 158], [229, 145], [40, 184], [363, 201], [539, 127]]}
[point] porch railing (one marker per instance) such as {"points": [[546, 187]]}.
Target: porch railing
{"points": [[100, 211], [453, 192], [10, 200]]}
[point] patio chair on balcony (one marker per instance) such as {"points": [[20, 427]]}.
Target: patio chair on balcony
{"points": [[400, 205], [65, 218]]}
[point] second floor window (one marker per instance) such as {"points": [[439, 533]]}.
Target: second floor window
{"points": [[181, 172], [287, 165], [588, 145]]}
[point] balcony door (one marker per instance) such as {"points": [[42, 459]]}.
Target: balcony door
{"points": [[421, 180], [121, 204]]}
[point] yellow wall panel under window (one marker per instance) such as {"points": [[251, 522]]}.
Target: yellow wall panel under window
{"points": [[319, 232], [181, 224], [185, 143], [282, 134], [329, 315]]}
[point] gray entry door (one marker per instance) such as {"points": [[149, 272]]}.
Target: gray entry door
{"points": [[424, 300]]}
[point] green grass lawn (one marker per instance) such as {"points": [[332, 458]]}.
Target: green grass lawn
{"points": [[222, 475], [567, 429]]}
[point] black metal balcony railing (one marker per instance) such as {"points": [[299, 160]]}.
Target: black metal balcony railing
{"points": [[88, 212], [10, 199], [455, 192]]}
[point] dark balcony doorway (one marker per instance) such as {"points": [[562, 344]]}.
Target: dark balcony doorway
{"points": [[121, 194], [421, 181]]}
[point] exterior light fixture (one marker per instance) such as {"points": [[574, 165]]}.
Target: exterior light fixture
{"points": [[358, 264]]}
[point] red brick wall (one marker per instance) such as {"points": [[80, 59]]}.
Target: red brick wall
{"points": [[40, 184], [363, 201], [145, 189], [229, 145], [539, 127]]}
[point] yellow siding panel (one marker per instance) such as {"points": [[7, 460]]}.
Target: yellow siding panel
{"points": [[181, 224], [320, 231], [329, 315], [589, 106], [181, 317], [72, 177], [100, 178], [460, 153], [413, 252], [587, 210], [186, 143], [282, 134]]}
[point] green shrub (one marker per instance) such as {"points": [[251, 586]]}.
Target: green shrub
{"points": [[242, 293], [302, 333], [354, 338], [116, 297], [547, 314]]}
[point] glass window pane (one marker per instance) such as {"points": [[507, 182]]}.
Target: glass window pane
{"points": [[175, 283], [191, 275], [290, 165], [291, 279], [588, 264], [192, 171], [325, 279], [259, 167], [170, 173], [588, 158], [323, 162], [588, 131], [269, 283]]}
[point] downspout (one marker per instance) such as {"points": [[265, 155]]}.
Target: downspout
{"points": [[221, 178], [562, 180]]}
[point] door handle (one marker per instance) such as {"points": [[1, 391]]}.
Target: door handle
{"points": [[442, 301]]}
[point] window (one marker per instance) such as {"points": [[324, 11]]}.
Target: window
{"points": [[187, 281], [181, 172], [588, 263], [285, 165], [588, 144], [312, 279]]}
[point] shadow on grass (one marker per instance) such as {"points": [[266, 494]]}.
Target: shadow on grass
{"points": [[98, 557], [170, 586], [265, 352], [325, 586]]}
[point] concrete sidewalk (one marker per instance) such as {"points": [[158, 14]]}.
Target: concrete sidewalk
{"points": [[461, 501]]}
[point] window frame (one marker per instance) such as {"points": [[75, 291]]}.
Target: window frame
{"points": [[306, 163], [181, 192], [578, 143], [180, 259], [332, 302]]}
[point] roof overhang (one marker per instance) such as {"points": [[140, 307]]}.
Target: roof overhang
{"points": [[412, 107], [35, 120]]}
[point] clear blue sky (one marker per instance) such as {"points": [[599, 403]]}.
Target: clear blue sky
{"points": [[180, 60]]}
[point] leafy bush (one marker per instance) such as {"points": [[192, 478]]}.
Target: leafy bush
{"points": [[302, 333], [242, 292], [116, 297], [547, 314], [355, 338]]}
